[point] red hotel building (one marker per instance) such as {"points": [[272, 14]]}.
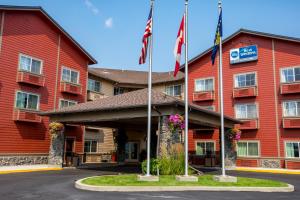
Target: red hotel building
{"points": [[42, 68], [263, 91]]}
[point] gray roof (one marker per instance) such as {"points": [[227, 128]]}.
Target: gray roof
{"points": [[134, 99], [134, 77], [247, 31], [40, 9]]}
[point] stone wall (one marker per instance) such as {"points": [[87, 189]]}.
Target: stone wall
{"points": [[16, 160], [56, 150], [270, 163]]}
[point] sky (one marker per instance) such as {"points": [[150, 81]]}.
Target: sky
{"points": [[111, 30]]}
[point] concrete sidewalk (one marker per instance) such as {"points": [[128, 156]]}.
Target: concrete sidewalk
{"points": [[28, 168], [267, 170]]}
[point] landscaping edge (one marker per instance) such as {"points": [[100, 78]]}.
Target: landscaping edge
{"points": [[80, 185]]}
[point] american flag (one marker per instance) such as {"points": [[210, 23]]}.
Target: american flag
{"points": [[179, 42], [147, 34]]}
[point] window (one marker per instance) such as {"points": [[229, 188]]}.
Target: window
{"points": [[245, 80], [94, 85], [246, 111], [30, 64], [66, 103], [69, 75], [90, 146], [204, 85], [174, 90], [247, 149], [205, 148], [26, 100], [291, 108], [118, 90], [292, 149], [289, 75]]}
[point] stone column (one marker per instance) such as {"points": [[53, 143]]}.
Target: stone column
{"points": [[230, 152], [56, 150], [166, 138]]}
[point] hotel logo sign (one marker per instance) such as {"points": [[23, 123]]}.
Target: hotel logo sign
{"points": [[243, 54]]}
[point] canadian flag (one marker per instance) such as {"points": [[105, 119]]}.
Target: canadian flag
{"points": [[179, 42]]}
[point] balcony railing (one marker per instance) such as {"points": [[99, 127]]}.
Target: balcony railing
{"points": [[30, 78], [249, 124], [290, 88], [245, 92], [291, 122], [91, 95], [204, 96], [26, 116], [70, 88]]}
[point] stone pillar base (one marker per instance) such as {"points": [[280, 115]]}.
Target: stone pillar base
{"points": [[225, 179], [148, 178], [187, 178]]}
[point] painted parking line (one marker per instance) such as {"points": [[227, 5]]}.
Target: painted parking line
{"points": [[29, 170], [274, 171]]}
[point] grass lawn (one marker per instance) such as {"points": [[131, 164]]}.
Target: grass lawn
{"points": [[205, 180]]}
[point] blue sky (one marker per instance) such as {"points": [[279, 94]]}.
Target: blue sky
{"points": [[111, 30]]}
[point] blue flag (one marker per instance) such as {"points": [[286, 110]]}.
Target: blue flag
{"points": [[219, 33]]}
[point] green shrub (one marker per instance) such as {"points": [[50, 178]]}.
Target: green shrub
{"points": [[154, 165]]}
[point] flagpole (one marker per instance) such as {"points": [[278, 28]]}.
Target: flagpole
{"points": [[149, 96], [221, 98], [186, 95]]}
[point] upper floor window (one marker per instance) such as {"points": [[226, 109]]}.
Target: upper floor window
{"points": [[204, 85], [247, 149], [246, 111], [205, 148], [66, 103], [70, 75], [94, 85], [174, 90], [292, 149], [291, 108], [25, 100], [291, 74], [33, 65], [118, 90], [244, 80]]}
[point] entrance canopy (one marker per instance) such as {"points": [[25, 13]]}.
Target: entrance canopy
{"points": [[129, 110]]}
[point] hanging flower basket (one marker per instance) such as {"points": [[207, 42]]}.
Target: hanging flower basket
{"points": [[176, 123], [55, 129], [234, 134]]}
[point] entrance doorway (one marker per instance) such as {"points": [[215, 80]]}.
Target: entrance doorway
{"points": [[131, 152], [69, 151]]}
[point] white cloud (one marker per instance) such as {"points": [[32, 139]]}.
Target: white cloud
{"points": [[109, 22], [91, 7]]}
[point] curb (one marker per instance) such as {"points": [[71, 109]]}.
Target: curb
{"points": [[274, 171], [79, 185], [29, 170]]}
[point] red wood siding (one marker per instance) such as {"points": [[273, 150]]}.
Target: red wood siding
{"points": [[30, 33]]}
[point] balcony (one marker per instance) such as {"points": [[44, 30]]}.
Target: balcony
{"points": [[204, 96], [91, 95], [249, 124], [245, 92], [291, 122], [70, 88], [30, 78], [26, 116], [290, 88]]}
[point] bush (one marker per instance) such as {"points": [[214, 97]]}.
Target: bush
{"points": [[154, 165]]}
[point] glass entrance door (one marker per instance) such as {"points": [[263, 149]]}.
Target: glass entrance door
{"points": [[131, 151]]}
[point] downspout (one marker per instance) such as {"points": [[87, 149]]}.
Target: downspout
{"points": [[1, 30], [57, 70]]}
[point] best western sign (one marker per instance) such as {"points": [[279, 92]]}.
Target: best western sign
{"points": [[243, 54]]}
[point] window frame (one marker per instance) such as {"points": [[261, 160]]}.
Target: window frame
{"points": [[100, 85], [61, 99], [285, 151], [31, 58], [90, 140], [203, 79], [286, 68], [257, 110], [239, 74], [204, 141], [283, 108], [28, 93], [173, 86], [249, 141], [71, 69]]}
